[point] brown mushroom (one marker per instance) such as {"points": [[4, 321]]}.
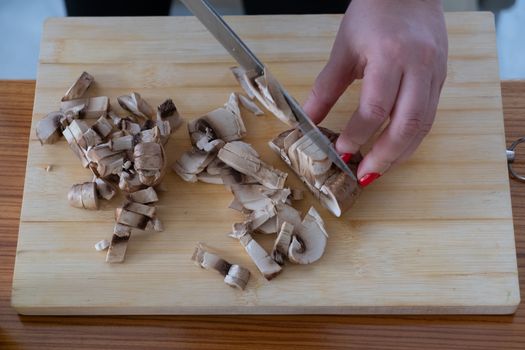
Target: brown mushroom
{"points": [[135, 104], [92, 107], [140, 208], [250, 105], [131, 219], [167, 111], [282, 243], [234, 275], [48, 128], [222, 122], [145, 196], [336, 191], [268, 267], [117, 248], [268, 92], [105, 189], [309, 239], [192, 163], [83, 196], [150, 162], [79, 87], [241, 157]]}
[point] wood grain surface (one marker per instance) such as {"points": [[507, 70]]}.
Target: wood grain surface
{"points": [[434, 236], [235, 332]]}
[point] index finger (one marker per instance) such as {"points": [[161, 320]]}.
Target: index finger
{"points": [[407, 122]]}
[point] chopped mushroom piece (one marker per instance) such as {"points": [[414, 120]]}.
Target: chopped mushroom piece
{"points": [[336, 191], [145, 196], [105, 189], [192, 163], [168, 112], [282, 243], [131, 219], [221, 123], [102, 127], [48, 128], [250, 105], [117, 248], [234, 275], [79, 87], [92, 107], [83, 196], [149, 162], [268, 267], [309, 239], [140, 208], [239, 156], [268, 92], [135, 104], [102, 245]]}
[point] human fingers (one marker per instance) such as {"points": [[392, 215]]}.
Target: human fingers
{"points": [[407, 122]]}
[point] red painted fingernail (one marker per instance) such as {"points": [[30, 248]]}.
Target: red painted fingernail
{"points": [[346, 157], [368, 179]]}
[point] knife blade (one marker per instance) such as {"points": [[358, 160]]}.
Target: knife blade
{"points": [[207, 15]]}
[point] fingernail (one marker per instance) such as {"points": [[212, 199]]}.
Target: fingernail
{"points": [[346, 157], [368, 179]]}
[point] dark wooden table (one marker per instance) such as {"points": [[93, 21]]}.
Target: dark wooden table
{"points": [[233, 332]]}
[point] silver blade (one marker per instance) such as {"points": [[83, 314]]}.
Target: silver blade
{"points": [[242, 54], [309, 129], [224, 34]]}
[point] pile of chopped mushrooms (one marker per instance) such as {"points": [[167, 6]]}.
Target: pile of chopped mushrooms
{"points": [[122, 152], [127, 152]]}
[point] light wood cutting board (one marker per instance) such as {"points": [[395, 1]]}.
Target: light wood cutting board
{"points": [[434, 236]]}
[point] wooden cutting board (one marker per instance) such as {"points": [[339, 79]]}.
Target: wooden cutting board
{"points": [[434, 236]]}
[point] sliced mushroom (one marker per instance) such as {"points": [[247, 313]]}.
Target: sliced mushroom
{"points": [[150, 162], [79, 87], [192, 163], [130, 182], [236, 154], [131, 219], [210, 179], [90, 139], [309, 239], [233, 104], [135, 104], [268, 92], [168, 112], [83, 196], [269, 227], [145, 196], [140, 208], [282, 243], [268, 267], [234, 275], [237, 277], [102, 245], [336, 191], [121, 230], [222, 122], [93, 107], [48, 128], [117, 248], [77, 150], [104, 188], [250, 105], [102, 127], [158, 226]]}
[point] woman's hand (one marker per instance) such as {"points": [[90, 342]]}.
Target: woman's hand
{"points": [[399, 48]]}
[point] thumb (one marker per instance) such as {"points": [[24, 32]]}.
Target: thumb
{"points": [[330, 84]]}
